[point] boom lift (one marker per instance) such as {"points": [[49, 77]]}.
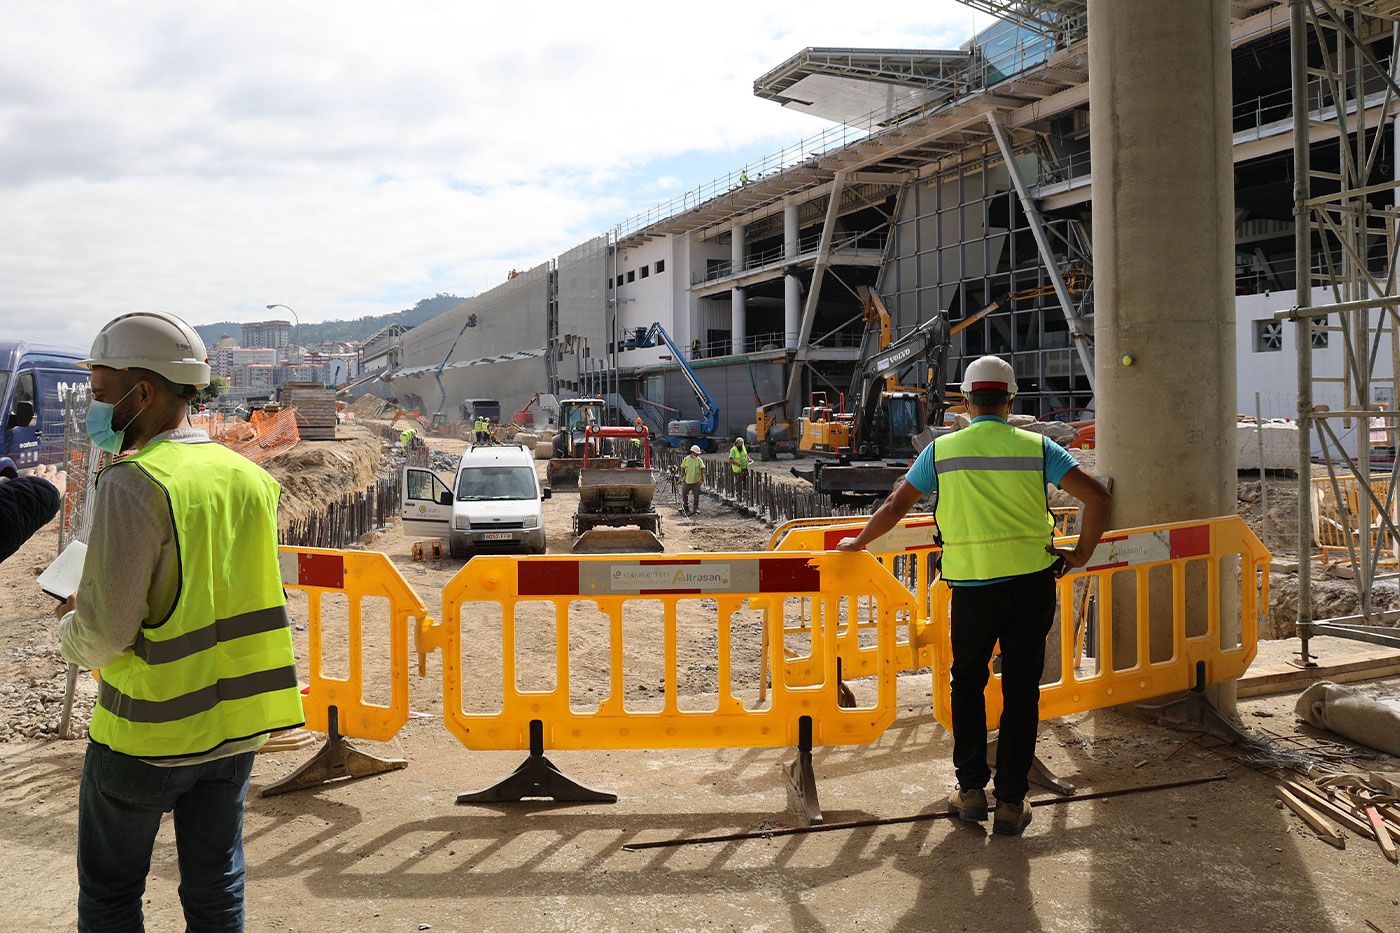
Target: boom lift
{"points": [[682, 432], [440, 416]]}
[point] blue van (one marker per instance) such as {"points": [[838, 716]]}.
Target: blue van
{"points": [[31, 377]]}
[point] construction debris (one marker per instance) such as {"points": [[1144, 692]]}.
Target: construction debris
{"points": [[1364, 803], [1279, 444]]}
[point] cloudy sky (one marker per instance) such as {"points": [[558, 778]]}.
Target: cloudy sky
{"points": [[350, 158]]}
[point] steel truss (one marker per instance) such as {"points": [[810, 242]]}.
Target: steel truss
{"points": [[1347, 231]]}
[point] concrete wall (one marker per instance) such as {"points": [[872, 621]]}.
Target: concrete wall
{"points": [[730, 386], [509, 318], [1274, 373]]}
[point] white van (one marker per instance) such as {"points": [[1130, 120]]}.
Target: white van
{"points": [[494, 503]]}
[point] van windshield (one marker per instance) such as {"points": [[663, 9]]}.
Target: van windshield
{"points": [[4, 383], [484, 483]]}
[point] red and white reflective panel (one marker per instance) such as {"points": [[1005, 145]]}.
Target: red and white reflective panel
{"points": [[910, 536], [323, 570], [1150, 547], [663, 576]]}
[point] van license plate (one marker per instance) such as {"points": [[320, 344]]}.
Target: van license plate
{"points": [[497, 536]]}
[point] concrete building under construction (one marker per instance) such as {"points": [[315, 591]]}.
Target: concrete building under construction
{"points": [[948, 180]]}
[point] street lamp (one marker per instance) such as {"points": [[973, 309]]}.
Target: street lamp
{"points": [[294, 318]]}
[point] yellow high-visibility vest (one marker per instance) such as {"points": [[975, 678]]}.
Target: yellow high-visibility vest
{"points": [[220, 665]]}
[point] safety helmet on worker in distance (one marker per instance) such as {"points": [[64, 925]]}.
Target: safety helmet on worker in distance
{"points": [[695, 449], [152, 340], [989, 372]]}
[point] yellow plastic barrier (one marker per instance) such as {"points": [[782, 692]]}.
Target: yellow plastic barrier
{"points": [[1122, 569], [799, 714], [1083, 594], [1336, 525], [337, 705], [907, 551]]}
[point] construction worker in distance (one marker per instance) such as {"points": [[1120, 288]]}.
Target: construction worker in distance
{"points": [[634, 443], [181, 607], [739, 462], [996, 530], [406, 437], [692, 476]]}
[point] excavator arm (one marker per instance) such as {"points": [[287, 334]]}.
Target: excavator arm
{"points": [[929, 342]]}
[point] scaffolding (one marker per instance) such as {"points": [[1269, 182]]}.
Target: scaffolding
{"points": [[1347, 230]]}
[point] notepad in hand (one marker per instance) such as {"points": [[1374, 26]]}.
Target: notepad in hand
{"points": [[62, 577]]}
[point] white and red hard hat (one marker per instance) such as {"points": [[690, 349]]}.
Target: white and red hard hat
{"points": [[989, 372]]}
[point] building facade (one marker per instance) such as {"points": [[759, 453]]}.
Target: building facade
{"points": [[954, 182]]}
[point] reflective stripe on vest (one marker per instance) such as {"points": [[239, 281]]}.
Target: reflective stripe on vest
{"points": [[992, 511], [220, 666]]}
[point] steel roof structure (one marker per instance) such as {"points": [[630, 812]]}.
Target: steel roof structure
{"points": [[846, 85]]}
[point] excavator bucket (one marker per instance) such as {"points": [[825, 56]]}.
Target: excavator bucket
{"points": [[618, 541]]}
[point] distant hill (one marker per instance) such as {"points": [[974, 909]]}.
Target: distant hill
{"points": [[311, 334]]}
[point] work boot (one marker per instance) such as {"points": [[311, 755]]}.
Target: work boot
{"points": [[1012, 818], [970, 805]]}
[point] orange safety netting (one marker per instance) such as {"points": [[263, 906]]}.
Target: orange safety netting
{"points": [[259, 439]]}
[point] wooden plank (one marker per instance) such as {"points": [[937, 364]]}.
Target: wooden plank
{"points": [[1334, 810], [1368, 665], [1325, 830], [1382, 835]]}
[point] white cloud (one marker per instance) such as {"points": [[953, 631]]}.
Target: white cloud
{"points": [[210, 158]]}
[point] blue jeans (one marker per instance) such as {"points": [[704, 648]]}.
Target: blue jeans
{"points": [[120, 804]]}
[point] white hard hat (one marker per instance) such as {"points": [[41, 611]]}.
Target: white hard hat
{"points": [[152, 340], [738, 440], [989, 372], [694, 449]]}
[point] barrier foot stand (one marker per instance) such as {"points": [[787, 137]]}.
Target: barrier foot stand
{"points": [[336, 759], [1195, 709], [1040, 774], [801, 780], [537, 777]]}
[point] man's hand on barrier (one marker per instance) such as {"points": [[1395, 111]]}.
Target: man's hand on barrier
{"points": [[1066, 559], [851, 544]]}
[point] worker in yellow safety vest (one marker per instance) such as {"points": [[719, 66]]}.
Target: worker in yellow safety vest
{"points": [[181, 607], [406, 437], [739, 462], [692, 476], [996, 530]]}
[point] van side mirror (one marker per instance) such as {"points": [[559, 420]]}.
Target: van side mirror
{"points": [[21, 415], [546, 493], [445, 497]]}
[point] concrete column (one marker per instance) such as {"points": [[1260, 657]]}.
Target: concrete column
{"points": [[792, 285], [737, 318], [1163, 217], [792, 309]]}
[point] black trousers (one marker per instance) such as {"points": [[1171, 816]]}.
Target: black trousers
{"points": [[1017, 613]]}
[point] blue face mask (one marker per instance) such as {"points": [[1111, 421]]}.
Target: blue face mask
{"points": [[99, 424]]}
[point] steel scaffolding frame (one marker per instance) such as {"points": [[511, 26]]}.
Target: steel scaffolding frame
{"points": [[1346, 241]]}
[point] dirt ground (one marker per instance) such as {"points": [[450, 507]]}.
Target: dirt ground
{"points": [[395, 853]]}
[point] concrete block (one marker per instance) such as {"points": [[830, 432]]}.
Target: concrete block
{"points": [[1280, 445]]}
